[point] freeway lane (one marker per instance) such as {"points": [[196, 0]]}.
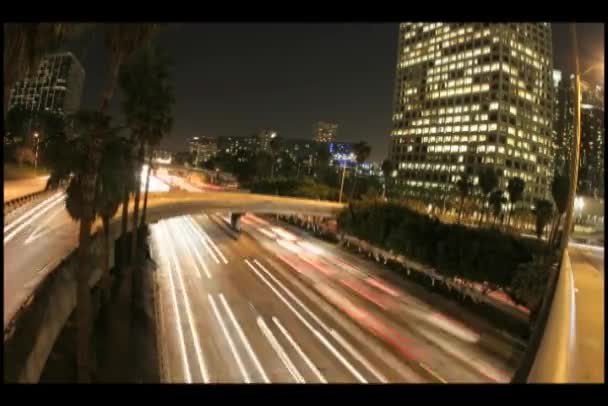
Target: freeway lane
{"points": [[37, 237], [273, 307]]}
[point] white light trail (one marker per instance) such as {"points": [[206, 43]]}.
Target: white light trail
{"points": [[195, 337], [236, 355], [276, 346], [192, 248], [299, 350], [33, 210], [31, 219], [244, 339], [204, 233]]}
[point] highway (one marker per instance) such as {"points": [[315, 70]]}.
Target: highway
{"points": [[37, 236], [274, 306], [588, 268]]}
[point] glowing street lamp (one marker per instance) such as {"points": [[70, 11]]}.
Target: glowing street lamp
{"points": [[36, 153]]}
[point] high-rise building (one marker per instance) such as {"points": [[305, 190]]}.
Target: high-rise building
{"points": [[469, 95], [202, 149], [56, 86], [591, 168], [262, 139], [591, 162], [324, 132]]}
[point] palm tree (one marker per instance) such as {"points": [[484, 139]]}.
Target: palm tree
{"points": [[362, 151], [516, 189], [559, 192], [488, 181], [464, 186], [497, 201], [543, 212], [387, 171], [26, 44], [122, 40]]}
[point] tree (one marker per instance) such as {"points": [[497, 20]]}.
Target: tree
{"points": [[18, 124], [559, 191], [263, 163], [497, 201], [362, 151], [464, 186], [543, 213], [122, 40], [322, 159], [488, 181], [24, 154], [387, 171], [515, 187]]}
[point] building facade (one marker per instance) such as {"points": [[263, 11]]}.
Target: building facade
{"points": [[470, 95], [56, 87], [591, 162], [324, 132], [202, 149]]}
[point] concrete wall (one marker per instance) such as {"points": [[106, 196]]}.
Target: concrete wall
{"points": [[31, 335]]}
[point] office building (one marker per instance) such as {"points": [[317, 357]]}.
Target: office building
{"points": [[56, 87], [161, 156], [202, 149], [591, 159], [469, 95], [324, 132]]}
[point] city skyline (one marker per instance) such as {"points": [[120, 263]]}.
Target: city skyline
{"points": [[233, 94]]}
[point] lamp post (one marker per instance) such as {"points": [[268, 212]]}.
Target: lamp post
{"points": [[342, 183], [36, 153], [574, 161]]}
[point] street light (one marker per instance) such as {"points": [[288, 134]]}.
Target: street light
{"points": [[574, 162], [36, 153]]}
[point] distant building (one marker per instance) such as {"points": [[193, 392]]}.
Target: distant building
{"points": [[202, 149], [342, 153], [324, 132], [56, 87], [259, 141], [162, 157], [262, 139], [591, 164]]}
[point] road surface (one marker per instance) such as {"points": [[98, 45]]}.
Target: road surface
{"points": [[37, 236], [588, 268], [17, 188], [273, 306]]}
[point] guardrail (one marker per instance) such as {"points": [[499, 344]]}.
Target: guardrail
{"points": [[14, 204], [549, 357]]}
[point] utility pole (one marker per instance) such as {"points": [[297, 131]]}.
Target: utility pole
{"points": [[342, 183]]}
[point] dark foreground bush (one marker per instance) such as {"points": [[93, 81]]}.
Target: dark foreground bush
{"points": [[477, 255]]}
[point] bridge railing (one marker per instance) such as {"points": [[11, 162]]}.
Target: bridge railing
{"points": [[549, 357]]}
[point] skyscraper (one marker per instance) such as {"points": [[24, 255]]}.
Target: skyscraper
{"points": [[469, 95], [56, 86], [591, 162], [324, 132]]}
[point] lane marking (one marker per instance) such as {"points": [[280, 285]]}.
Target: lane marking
{"points": [[31, 219], [32, 210], [276, 346], [357, 355], [229, 339], [315, 332], [244, 339], [204, 233], [191, 248], [205, 244], [299, 350], [159, 232], [195, 337]]}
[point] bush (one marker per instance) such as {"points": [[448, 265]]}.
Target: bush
{"points": [[304, 188], [477, 255]]}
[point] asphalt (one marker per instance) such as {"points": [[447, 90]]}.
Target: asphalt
{"points": [[272, 306]]}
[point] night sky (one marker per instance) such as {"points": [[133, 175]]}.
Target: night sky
{"points": [[232, 79]]}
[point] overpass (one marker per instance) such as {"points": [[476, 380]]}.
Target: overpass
{"points": [[42, 307]]}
